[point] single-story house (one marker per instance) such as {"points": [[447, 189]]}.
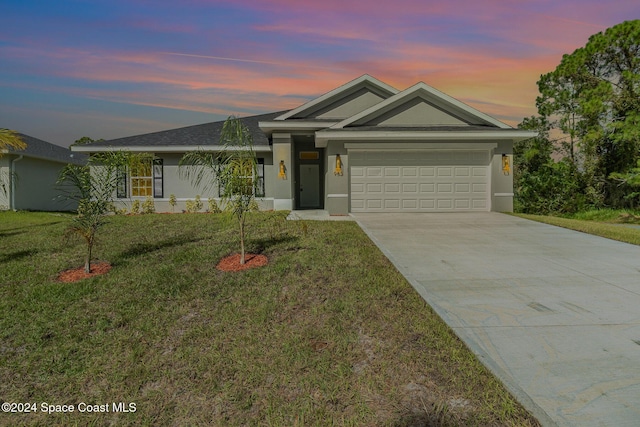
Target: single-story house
{"points": [[29, 176], [362, 147]]}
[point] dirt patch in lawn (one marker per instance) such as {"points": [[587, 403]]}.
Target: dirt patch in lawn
{"points": [[75, 274], [232, 262]]}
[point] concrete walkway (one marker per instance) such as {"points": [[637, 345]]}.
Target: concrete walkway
{"points": [[554, 313], [316, 215]]}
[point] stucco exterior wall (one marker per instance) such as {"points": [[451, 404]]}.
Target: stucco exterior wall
{"points": [[184, 189], [282, 189], [502, 184], [36, 186], [337, 186], [5, 183]]}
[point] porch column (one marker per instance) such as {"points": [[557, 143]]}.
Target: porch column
{"points": [[502, 178], [337, 185], [283, 187]]}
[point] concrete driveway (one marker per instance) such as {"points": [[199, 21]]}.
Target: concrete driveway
{"points": [[554, 313]]}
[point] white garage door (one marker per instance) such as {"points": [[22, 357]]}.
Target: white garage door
{"points": [[419, 181]]}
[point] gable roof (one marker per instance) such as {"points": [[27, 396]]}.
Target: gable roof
{"points": [[420, 113], [450, 111], [340, 103], [187, 138], [44, 150]]}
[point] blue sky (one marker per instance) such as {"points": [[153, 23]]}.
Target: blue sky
{"points": [[108, 69]]}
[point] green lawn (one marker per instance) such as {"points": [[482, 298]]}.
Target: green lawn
{"points": [[612, 224], [329, 333]]}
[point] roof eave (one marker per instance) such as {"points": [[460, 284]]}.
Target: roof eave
{"points": [[294, 126], [166, 148], [323, 137]]}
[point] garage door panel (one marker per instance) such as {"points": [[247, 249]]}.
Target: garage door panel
{"points": [[409, 204], [420, 181], [373, 203], [479, 204], [392, 203], [392, 188], [374, 188], [357, 171], [444, 171], [463, 172], [479, 171], [392, 172], [462, 203], [444, 204], [444, 188], [479, 188], [410, 187], [357, 188], [462, 188], [409, 172], [374, 172], [428, 171], [427, 188]]}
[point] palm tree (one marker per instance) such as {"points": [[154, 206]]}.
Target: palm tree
{"points": [[93, 187], [234, 170], [10, 139]]}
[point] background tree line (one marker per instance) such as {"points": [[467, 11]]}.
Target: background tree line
{"points": [[587, 154]]}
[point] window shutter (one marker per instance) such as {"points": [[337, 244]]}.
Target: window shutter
{"points": [[158, 183], [121, 189]]}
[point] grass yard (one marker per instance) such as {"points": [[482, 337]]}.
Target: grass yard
{"points": [[328, 333], [613, 224]]}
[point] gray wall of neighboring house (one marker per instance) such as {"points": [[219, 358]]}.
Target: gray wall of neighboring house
{"points": [[5, 183], [35, 186]]}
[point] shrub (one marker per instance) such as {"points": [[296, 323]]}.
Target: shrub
{"points": [[135, 207], [213, 206], [148, 206], [194, 205]]}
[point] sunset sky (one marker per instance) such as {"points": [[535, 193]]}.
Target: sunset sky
{"points": [[114, 68]]}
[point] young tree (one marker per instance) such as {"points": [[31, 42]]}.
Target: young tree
{"points": [[93, 186], [235, 170]]}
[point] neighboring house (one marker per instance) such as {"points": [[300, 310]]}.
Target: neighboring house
{"points": [[29, 176], [363, 147]]}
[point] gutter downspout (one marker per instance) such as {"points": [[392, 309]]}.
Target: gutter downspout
{"points": [[12, 178]]}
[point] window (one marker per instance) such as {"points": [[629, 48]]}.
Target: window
{"points": [[259, 184], [141, 179], [145, 179]]}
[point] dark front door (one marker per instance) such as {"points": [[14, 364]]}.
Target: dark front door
{"points": [[309, 176]]}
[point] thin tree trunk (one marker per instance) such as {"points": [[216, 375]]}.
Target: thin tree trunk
{"points": [[87, 261], [241, 240]]}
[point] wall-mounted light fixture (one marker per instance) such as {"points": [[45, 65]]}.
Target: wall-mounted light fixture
{"points": [[338, 169], [282, 170], [506, 165]]}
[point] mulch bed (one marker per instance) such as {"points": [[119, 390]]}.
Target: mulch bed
{"points": [[75, 274], [232, 262]]}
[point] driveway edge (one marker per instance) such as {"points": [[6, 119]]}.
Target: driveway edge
{"points": [[523, 398]]}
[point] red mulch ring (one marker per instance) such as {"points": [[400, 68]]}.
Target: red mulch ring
{"points": [[75, 274], [232, 262]]}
